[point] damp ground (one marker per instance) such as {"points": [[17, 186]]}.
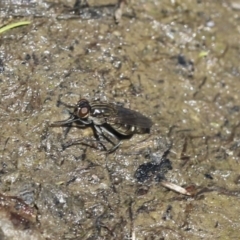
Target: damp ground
{"points": [[176, 62]]}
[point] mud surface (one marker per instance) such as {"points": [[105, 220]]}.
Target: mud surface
{"points": [[174, 61]]}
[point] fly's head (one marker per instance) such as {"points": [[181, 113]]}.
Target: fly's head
{"points": [[82, 109]]}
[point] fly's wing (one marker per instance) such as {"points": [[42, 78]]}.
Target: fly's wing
{"points": [[130, 117]]}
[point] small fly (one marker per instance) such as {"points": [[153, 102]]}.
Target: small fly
{"points": [[108, 120]]}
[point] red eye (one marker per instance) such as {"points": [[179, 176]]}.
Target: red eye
{"points": [[82, 109], [83, 112]]}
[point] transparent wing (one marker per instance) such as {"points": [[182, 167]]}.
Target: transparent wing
{"points": [[131, 117]]}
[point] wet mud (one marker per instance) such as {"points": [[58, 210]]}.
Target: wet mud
{"points": [[176, 62]]}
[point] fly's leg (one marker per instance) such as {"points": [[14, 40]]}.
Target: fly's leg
{"points": [[71, 143], [109, 135], [82, 141], [87, 142], [68, 124], [100, 136], [102, 133]]}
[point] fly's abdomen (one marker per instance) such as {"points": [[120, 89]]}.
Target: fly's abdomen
{"points": [[127, 130], [123, 129]]}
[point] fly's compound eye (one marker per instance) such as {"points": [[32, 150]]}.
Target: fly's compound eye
{"points": [[83, 109], [83, 112]]}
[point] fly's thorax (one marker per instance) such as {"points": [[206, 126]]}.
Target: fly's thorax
{"points": [[103, 110], [100, 112]]}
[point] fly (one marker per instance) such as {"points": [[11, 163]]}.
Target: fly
{"points": [[109, 121]]}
